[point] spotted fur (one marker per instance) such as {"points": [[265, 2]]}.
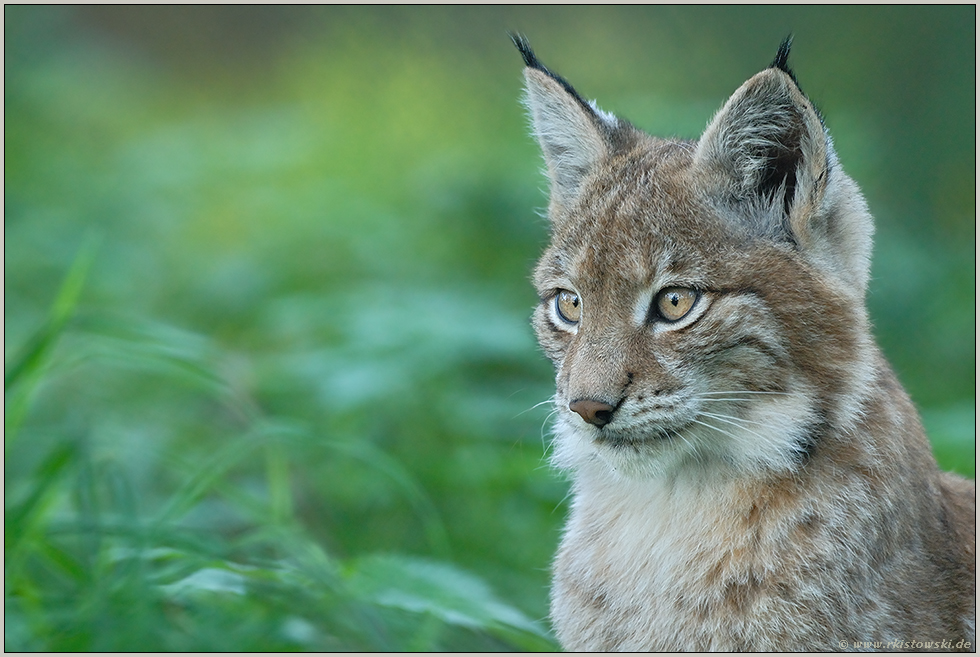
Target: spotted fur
{"points": [[751, 475]]}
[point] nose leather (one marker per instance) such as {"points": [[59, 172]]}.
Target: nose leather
{"points": [[592, 411]]}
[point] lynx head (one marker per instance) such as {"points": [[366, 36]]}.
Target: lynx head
{"points": [[703, 302]]}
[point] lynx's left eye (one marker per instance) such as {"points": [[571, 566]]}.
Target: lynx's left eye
{"points": [[569, 306], [673, 303]]}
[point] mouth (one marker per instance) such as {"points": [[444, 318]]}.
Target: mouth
{"points": [[637, 437]]}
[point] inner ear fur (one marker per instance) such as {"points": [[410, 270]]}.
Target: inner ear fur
{"points": [[768, 142], [767, 148], [572, 135]]}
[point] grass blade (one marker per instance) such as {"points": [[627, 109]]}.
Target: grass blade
{"points": [[29, 366]]}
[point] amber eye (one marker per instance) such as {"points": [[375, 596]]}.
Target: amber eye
{"points": [[673, 303], [569, 306]]}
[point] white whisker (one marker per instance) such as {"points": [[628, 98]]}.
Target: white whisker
{"points": [[562, 501], [681, 436], [742, 392], [736, 424], [549, 400], [713, 427], [731, 417], [545, 444]]}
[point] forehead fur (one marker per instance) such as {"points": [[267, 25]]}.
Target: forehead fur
{"points": [[637, 212]]}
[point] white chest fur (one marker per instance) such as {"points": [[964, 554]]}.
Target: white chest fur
{"points": [[668, 564]]}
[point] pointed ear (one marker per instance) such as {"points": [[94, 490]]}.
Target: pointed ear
{"points": [[768, 154], [574, 135], [767, 142]]}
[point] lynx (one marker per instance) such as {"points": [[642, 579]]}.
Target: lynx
{"points": [[747, 472]]}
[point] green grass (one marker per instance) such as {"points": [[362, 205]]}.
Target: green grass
{"points": [[269, 378], [216, 556]]}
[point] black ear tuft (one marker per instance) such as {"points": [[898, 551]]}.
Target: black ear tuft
{"points": [[531, 60], [782, 55], [781, 60]]}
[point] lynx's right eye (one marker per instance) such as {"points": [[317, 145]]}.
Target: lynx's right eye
{"points": [[673, 303], [569, 306]]}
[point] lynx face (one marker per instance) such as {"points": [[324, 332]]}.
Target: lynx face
{"points": [[703, 302], [676, 333]]}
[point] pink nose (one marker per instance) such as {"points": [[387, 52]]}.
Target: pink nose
{"points": [[592, 411]]}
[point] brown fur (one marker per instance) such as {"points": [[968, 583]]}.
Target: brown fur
{"points": [[760, 480]]}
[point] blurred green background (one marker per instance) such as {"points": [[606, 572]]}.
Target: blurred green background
{"points": [[269, 377]]}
